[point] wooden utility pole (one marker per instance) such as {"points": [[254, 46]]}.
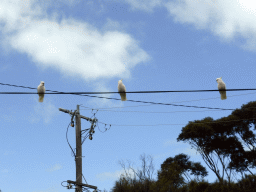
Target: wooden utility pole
{"points": [[79, 183], [78, 150]]}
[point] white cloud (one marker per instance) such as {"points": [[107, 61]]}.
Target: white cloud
{"points": [[179, 147], [56, 167], [73, 47], [14, 14], [113, 175], [170, 142], [228, 19], [108, 175], [5, 171], [76, 49], [101, 86], [9, 153], [45, 111], [53, 188], [145, 5], [191, 152]]}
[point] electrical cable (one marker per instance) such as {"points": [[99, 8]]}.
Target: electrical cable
{"points": [[88, 108], [68, 141], [156, 112], [85, 137], [63, 182], [117, 107], [94, 113], [172, 124], [163, 112], [84, 178], [73, 152], [172, 102], [79, 93], [105, 128], [193, 106]]}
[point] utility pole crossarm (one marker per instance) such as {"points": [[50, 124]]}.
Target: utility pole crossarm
{"points": [[71, 113], [85, 185], [86, 118], [66, 111]]}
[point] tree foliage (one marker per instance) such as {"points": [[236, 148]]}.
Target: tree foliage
{"points": [[184, 167], [227, 146], [222, 141]]}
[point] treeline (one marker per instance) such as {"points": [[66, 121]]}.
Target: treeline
{"points": [[226, 145], [245, 185], [178, 174]]}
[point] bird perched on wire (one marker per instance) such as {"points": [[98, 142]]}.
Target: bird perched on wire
{"points": [[41, 91], [222, 88], [121, 89]]}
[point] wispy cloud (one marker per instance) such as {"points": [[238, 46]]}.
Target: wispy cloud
{"points": [[9, 153], [179, 147], [145, 5], [5, 171], [230, 20], [55, 167], [226, 19], [102, 86], [72, 47], [113, 175], [53, 188], [170, 142], [45, 111], [109, 175]]}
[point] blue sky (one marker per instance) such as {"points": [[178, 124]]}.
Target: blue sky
{"points": [[88, 46]]}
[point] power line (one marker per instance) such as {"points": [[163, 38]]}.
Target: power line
{"points": [[171, 124], [165, 104], [172, 102], [162, 111], [156, 111], [68, 141], [80, 94]]}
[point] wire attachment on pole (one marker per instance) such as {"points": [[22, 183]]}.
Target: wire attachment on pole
{"points": [[93, 125]]}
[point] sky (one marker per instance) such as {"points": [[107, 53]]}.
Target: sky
{"points": [[87, 46]]}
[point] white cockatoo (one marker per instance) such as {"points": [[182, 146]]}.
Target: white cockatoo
{"points": [[41, 91], [222, 88], [121, 89]]}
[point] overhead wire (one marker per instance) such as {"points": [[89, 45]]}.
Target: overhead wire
{"points": [[85, 137], [111, 92], [163, 112], [79, 93], [82, 94], [157, 112], [172, 124], [100, 109], [103, 109], [68, 141], [105, 128], [172, 102]]}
